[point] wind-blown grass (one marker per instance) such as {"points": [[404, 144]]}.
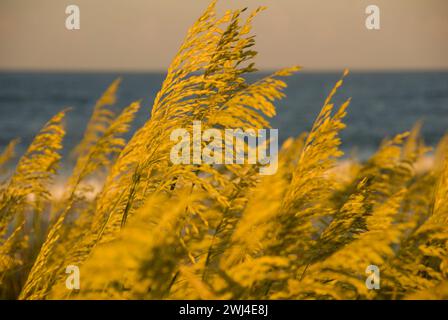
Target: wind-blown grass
{"points": [[156, 230]]}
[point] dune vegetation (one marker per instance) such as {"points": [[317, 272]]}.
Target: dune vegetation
{"points": [[155, 230]]}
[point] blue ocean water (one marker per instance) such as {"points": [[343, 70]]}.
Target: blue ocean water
{"points": [[383, 104]]}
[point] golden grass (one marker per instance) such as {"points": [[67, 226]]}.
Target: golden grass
{"points": [[155, 230]]}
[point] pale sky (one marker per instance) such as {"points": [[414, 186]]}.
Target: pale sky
{"points": [[143, 35]]}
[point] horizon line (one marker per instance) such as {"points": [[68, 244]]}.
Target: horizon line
{"points": [[261, 70]]}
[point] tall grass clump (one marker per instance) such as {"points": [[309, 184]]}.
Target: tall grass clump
{"points": [[156, 230]]}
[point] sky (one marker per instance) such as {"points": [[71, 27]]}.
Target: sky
{"points": [[144, 35]]}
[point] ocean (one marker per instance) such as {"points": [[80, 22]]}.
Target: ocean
{"points": [[383, 104]]}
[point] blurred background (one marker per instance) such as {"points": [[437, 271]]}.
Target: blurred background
{"points": [[398, 73]]}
